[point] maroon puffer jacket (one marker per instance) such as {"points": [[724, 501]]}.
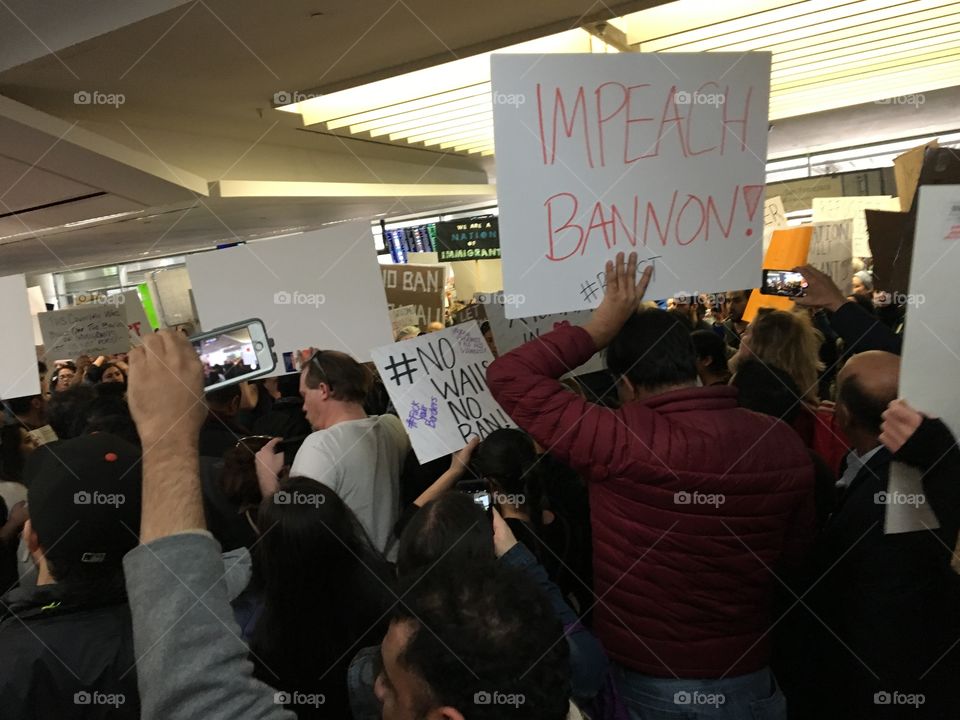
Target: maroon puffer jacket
{"points": [[695, 505]]}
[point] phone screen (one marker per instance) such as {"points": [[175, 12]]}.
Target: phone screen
{"points": [[234, 353], [483, 500], [785, 283]]}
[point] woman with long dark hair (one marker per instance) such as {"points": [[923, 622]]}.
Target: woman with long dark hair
{"points": [[324, 595]]}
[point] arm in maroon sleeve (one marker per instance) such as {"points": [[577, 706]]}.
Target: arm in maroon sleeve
{"points": [[589, 438]]}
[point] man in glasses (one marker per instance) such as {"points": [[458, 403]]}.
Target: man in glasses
{"points": [[360, 457]]}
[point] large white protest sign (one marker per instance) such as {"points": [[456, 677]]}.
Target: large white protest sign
{"points": [[512, 333], [18, 361], [931, 344], [438, 385], [659, 153], [831, 251], [135, 316], [319, 289], [92, 329], [842, 208]]}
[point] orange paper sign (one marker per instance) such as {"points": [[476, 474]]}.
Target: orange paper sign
{"points": [[788, 249]]}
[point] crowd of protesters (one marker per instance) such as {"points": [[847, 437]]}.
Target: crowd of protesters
{"points": [[699, 531]]}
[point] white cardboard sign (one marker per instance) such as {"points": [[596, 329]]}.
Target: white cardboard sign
{"points": [[92, 329], [18, 361], [831, 251], [319, 289], [509, 334], [438, 385], [842, 208], [659, 153], [931, 345]]}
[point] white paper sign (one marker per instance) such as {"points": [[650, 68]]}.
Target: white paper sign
{"points": [[404, 316], [659, 153], [18, 361], [931, 344], [509, 334], [842, 208], [438, 385], [135, 316], [320, 289], [93, 329], [831, 251]]}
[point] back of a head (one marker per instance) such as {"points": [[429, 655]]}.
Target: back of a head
{"points": [[790, 342], [108, 412], [309, 541], [707, 344], [452, 531], [65, 408], [220, 400], [866, 385], [483, 640], [289, 385], [653, 350], [506, 456], [84, 497], [767, 389], [348, 380]]}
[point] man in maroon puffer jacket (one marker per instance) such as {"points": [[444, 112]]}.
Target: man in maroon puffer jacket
{"points": [[696, 505]]}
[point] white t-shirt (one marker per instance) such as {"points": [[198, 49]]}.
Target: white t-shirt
{"points": [[361, 461]]}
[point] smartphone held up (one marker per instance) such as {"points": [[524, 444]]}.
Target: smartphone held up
{"points": [[234, 353], [784, 283]]}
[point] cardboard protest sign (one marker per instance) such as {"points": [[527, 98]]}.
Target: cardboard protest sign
{"points": [[475, 311], [475, 238], [421, 286], [18, 361], [843, 208], [906, 173], [931, 344], [662, 154], [404, 316], [831, 251], [92, 329], [318, 289], [891, 243], [788, 249], [438, 385], [512, 333]]}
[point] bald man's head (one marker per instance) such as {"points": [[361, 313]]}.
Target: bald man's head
{"points": [[865, 386]]}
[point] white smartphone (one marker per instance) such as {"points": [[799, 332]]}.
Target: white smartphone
{"points": [[234, 353]]}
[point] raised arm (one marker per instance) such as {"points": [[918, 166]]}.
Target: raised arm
{"points": [[526, 382], [191, 661]]}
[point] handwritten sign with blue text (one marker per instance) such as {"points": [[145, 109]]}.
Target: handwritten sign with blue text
{"points": [[662, 154], [438, 385]]}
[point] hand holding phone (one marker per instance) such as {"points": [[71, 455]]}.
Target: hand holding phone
{"points": [[783, 283]]}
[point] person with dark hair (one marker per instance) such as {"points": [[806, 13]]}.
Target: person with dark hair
{"points": [[108, 412], [481, 644], [711, 358], [30, 411], [64, 408], [62, 377], [677, 472], [113, 373], [189, 661], [285, 418], [887, 600], [358, 456], [220, 432], [733, 327], [66, 644], [324, 590], [16, 444]]}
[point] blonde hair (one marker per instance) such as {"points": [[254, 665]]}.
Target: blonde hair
{"points": [[790, 342]]}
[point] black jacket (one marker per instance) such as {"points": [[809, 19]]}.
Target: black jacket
{"points": [[885, 606], [66, 653]]}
